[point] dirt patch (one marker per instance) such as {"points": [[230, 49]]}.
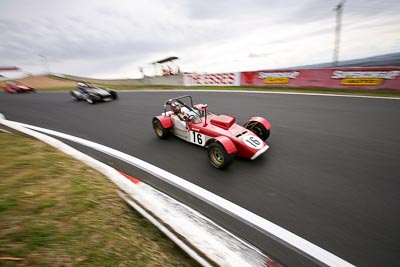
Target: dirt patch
{"points": [[43, 82]]}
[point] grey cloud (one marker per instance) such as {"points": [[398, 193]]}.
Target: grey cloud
{"points": [[198, 9], [126, 31]]}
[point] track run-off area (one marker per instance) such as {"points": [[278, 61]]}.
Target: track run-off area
{"points": [[331, 175]]}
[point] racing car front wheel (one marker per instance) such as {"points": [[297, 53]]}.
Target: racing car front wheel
{"points": [[160, 131], [91, 100], [258, 129], [114, 95], [218, 156]]}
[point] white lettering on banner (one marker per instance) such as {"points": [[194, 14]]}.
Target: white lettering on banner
{"points": [[291, 74], [213, 79], [388, 75]]}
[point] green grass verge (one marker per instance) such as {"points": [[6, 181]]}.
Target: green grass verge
{"points": [[56, 211], [378, 93]]}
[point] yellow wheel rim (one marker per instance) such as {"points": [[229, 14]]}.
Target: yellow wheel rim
{"points": [[158, 129], [216, 156]]}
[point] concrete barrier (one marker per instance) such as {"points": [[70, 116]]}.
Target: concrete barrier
{"points": [[173, 80]]}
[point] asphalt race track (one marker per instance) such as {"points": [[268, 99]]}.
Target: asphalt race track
{"points": [[331, 176]]}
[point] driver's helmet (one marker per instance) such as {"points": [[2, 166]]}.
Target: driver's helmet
{"points": [[82, 84], [176, 106]]}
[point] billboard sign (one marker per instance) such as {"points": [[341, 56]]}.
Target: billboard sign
{"points": [[212, 79], [345, 78]]}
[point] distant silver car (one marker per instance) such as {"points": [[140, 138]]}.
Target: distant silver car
{"points": [[92, 94], [17, 87]]}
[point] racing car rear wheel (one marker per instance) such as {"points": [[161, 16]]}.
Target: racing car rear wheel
{"points": [[75, 97], [160, 131], [218, 156], [258, 129]]}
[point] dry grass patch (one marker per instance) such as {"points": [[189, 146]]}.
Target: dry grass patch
{"points": [[56, 211]]}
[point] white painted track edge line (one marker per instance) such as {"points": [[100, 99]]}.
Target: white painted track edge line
{"points": [[167, 232], [266, 92], [243, 91], [307, 248]]}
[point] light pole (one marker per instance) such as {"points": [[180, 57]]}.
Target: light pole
{"points": [[45, 64], [339, 11]]}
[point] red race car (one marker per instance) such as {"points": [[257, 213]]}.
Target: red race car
{"points": [[223, 138], [15, 87]]}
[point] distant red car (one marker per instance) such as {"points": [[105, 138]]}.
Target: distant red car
{"points": [[223, 138], [15, 87]]}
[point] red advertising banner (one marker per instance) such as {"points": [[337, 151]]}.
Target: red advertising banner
{"points": [[9, 68], [214, 79], [346, 78]]}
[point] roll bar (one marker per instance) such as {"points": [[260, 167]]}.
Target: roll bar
{"points": [[178, 98]]}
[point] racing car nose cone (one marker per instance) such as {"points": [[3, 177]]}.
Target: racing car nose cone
{"points": [[259, 152]]}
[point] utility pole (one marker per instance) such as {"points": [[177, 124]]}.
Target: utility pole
{"points": [[45, 64], [339, 11]]}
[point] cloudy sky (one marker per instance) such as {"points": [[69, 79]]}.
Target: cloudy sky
{"points": [[112, 39]]}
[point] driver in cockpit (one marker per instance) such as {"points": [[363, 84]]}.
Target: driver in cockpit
{"points": [[183, 112]]}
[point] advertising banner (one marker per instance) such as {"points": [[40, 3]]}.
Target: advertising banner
{"points": [[345, 78], [214, 79]]}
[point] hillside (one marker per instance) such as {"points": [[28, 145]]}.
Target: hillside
{"points": [[43, 82], [375, 61]]}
